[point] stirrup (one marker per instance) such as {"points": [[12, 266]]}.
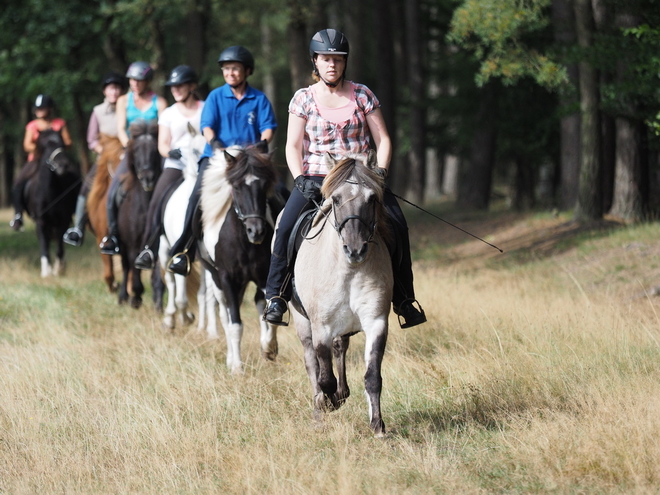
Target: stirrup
{"points": [[16, 223], [173, 265], [145, 260], [412, 319], [269, 305], [69, 238], [109, 250]]}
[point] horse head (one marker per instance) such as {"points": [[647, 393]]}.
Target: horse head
{"points": [[252, 177], [354, 192], [193, 151], [50, 153], [142, 155]]}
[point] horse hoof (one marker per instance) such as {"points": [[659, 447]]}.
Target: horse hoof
{"points": [[323, 403], [269, 355], [136, 302]]}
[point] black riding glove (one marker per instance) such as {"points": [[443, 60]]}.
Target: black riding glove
{"points": [[175, 154], [309, 188], [216, 144]]}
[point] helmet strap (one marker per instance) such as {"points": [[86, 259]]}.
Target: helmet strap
{"points": [[329, 84]]}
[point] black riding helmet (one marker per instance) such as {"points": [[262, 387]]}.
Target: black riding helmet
{"points": [[328, 42], [181, 74], [237, 54], [113, 78], [44, 101], [140, 71]]}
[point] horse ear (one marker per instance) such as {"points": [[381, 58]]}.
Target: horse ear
{"points": [[262, 146], [372, 160], [230, 160], [191, 130], [330, 161]]}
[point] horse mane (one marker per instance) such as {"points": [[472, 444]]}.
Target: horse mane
{"points": [[45, 138], [109, 159]]}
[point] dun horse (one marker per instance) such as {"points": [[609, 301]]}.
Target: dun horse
{"points": [[50, 197], [343, 285], [144, 165], [96, 202], [237, 235]]}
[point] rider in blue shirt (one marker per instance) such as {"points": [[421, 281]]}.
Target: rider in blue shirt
{"points": [[234, 114]]}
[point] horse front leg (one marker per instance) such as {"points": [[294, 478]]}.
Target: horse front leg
{"points": [[170, 308], [269, 348], [230, 308], [123, 290], [201, 302], [42, 234], [339, 349], [326, 377], [304, 331], [109, 272], [374, 349], [181, 300], [137, 288], [211, 304], [59, 266], [158, 288]]}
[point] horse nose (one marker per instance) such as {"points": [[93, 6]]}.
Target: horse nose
{"points": [[356, 256], [255, 232]]}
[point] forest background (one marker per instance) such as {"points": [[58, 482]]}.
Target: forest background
{"points": [[552, 103]]}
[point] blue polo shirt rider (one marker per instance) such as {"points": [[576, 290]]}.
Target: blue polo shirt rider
{"points": [[234, 114]]}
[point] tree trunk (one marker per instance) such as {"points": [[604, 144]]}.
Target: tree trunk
{"points": [[417, 167], [628, 202], [590, 205], [299, 64], [353, 19], [563, 21], [196, 52], [476, 174], [627, 193], [386, 77]]}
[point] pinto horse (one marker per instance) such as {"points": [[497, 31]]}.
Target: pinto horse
{"points": [[97, 211], [173, 221], [343, 284], [236, 188], [144, 165], [50, 197]]}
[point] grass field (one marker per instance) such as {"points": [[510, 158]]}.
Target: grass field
{"points": [[538, 372]]}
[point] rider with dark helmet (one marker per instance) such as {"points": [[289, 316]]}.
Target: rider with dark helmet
{"points": [[234, 114], [44, 111], [140, 103], [174, 139], [317, 114], [102, 125]]}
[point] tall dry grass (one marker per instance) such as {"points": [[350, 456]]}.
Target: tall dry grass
{"points": [[535, 376]]}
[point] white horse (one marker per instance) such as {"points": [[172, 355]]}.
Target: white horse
{"points": [[343, 285], [173, 221], [238, 228]]}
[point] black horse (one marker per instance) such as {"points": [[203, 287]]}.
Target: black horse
{"points": [[50, 197], [143, 163], [238, 188]]}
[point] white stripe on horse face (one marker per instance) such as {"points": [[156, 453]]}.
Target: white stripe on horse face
{"points": [[250, 178]]}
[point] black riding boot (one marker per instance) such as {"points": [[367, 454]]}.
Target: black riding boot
{"points": [[75, 235], [278, 291], [110, 243]]}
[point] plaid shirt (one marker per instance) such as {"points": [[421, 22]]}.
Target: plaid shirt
{"points": [[322, 136]]}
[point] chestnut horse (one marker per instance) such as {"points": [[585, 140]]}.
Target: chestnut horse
{"points": [[97, 212]]}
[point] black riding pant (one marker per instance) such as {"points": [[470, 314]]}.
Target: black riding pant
{"points": [[28, 171]]}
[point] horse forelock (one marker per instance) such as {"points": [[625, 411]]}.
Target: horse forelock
{"points": [[353, 170], [251, 164]]}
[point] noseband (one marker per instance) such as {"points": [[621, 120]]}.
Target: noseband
{"points": [[338, 226], [242, 216], [52, 165]]}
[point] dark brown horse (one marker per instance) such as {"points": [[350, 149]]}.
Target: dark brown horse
{"points": [[144, 165], [50, 197], [97, 212]]}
